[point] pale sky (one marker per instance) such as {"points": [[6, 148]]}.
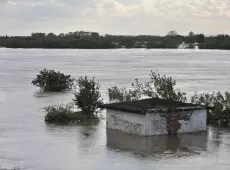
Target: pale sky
{"points": [[157, 17]]}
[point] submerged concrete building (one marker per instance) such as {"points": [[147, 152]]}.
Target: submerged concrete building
{"points": [[154, 116]]}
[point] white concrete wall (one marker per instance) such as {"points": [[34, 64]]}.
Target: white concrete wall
{"points": [[197, 122], [158, 124], [126, 122], [153, 123]]}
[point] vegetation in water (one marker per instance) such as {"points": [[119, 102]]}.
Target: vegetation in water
{"points": [[163, 87], [220, 114], [53, 81], [158, 86], [122, 94], [88, 97], [59, 114], [93, 40]]}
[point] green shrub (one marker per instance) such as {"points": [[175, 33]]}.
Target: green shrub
{"points": [[88, 97], [50, 80], [59, 114]]}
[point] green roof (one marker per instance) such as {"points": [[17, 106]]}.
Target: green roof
{"points": [[141, 106]]}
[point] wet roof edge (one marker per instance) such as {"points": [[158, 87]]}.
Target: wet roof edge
{"points": [[157, 110]]}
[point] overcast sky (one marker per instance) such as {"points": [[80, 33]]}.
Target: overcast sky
{"points": [[21, 17]]}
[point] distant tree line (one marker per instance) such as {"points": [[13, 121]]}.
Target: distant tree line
{"points": [[93, 40]]}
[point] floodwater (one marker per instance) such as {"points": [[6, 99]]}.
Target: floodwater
{"points": [[26, 142]]}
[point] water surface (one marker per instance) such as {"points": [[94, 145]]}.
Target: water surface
{"points": [[26, 141]]}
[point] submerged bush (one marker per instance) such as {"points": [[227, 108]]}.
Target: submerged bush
{"points": [[64, 115], [59, 114], [88, 97], [50, 80]]}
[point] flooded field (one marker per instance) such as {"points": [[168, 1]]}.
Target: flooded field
{"points": [[27, 142]]}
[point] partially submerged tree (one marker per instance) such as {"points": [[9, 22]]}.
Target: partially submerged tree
{"points": [[122, 94], [162, 87], [88, 97], [50, 80]]}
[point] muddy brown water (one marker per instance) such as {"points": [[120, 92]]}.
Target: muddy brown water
{"points": [[26, 142]]}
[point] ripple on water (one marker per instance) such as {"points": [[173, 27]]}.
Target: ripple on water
{"points": [[26, 141]]}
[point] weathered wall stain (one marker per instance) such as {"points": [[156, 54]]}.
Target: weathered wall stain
{"points": [[172, 118], [128, 126], [169, 123], [157, 125]]}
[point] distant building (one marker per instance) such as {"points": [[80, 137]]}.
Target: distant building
{"points": [[188, 46], [154, 116], [183, 46]]}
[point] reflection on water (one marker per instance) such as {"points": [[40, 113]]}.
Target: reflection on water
{"points": [[84, 131], [157, 146]]}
